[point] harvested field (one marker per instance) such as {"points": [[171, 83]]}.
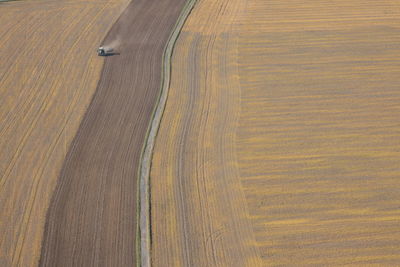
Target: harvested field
{"points": [[92, 216], [318, 140], [197, 219], [279, 144], [48, 73]]}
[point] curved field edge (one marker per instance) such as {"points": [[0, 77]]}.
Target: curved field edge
{"points": [[109, 193], [144, 235], [42, 107]]}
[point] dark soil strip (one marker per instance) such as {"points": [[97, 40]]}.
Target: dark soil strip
{"points": [[92, 220]]}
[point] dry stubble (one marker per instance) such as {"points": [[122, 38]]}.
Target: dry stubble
{"points": [[319, 135], [198, 210], [48, 73]]}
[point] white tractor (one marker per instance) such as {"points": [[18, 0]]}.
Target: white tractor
{"points": [[102, 51]]}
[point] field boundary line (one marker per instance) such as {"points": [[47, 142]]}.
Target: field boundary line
{"points": [[144, 207]]}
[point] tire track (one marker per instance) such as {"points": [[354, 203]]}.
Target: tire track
{"points": [[198, 208], [92, 218]]}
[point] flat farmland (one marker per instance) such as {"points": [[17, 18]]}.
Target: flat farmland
{"points": [[280, 141], [48, 73], [198, 209], [318, 141], [92, 218]]}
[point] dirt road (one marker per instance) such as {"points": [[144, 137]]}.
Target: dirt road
{"points": [[92, 217], [48, 73]]}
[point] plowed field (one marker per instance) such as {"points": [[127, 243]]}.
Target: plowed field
{"points": [[279, 143], [93, 213]]}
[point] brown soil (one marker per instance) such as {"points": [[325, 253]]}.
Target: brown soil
{"points": [[92, 217]]}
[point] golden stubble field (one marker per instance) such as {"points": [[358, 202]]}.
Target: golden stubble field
{"points": [[198, 209], [48, 72], [280, 141], [318, 143]]}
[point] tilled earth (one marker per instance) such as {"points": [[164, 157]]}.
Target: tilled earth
{"points": [[92, 217]]}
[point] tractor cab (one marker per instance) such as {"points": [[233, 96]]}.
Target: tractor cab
{"points": [[101, 51]]}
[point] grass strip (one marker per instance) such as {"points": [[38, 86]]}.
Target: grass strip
{"points": [[144, 207]]}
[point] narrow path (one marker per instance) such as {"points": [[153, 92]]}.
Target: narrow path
{"points": [[92, 217]]}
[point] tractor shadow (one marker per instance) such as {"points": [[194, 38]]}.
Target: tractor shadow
{"points": [[112, 54]]}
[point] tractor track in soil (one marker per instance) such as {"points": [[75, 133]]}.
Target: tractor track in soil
{"points": [[92, 220]]}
